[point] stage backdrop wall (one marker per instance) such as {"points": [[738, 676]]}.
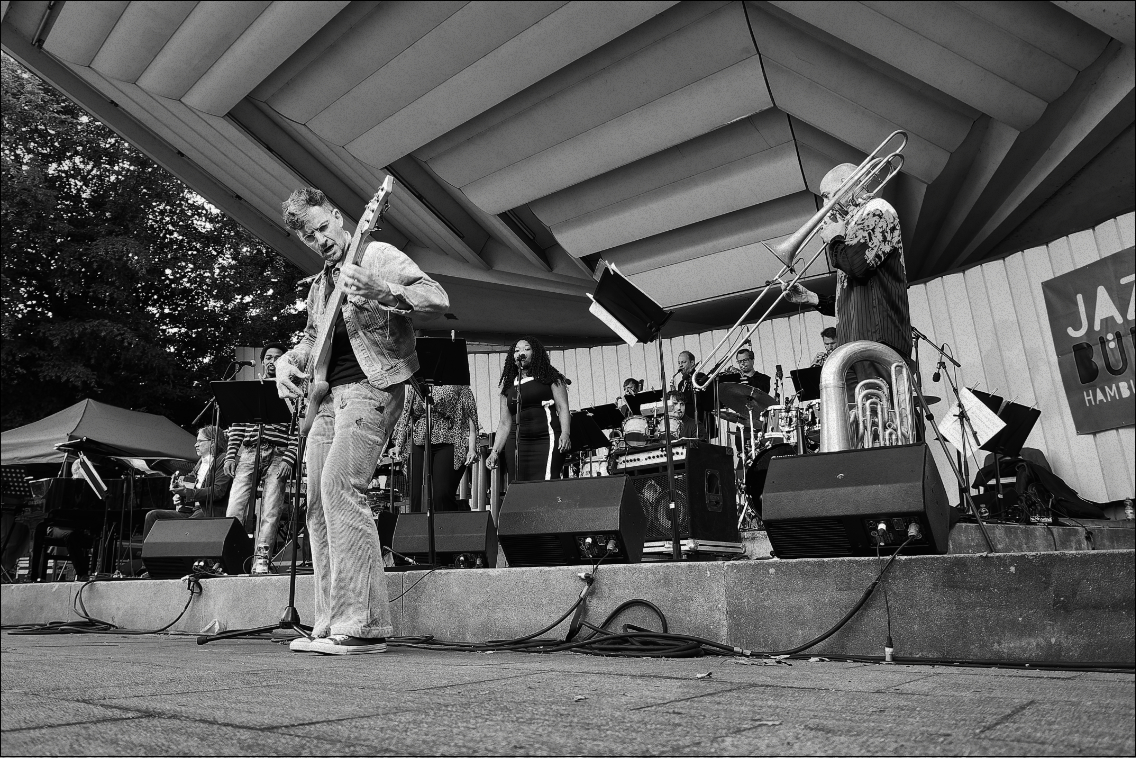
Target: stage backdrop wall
{"points": [[993, 316]]}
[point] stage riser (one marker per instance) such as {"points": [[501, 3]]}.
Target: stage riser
{"points": [[1066, 607]]}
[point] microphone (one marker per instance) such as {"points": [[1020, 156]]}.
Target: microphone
{"points": [[244, 363], [938, 372]]}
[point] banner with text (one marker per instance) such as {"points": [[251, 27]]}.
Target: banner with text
{"points": [[1092, 312]]}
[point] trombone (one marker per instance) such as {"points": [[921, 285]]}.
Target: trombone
{"points": [[869, 178]]}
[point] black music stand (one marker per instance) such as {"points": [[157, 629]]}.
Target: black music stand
{"points": [[807, 382], [254, 404], [1009, 440], [587, 431], [251, 402], [440, 361], [635, 317]]}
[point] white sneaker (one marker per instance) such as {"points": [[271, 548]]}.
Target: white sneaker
{"points": [[342, 644], [260, 562], [301, 645]]}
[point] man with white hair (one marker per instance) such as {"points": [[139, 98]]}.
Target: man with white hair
{"points": [[871, 291]]}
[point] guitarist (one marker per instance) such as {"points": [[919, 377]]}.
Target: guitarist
{"points": [[371, 357]]}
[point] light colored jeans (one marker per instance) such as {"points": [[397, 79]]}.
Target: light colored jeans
{"points": [[272, 468], [350, 431]]}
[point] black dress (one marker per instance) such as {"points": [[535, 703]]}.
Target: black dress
{"points": [[538, 427]]}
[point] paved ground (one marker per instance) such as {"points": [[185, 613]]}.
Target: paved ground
{"points": [[119, 695]]}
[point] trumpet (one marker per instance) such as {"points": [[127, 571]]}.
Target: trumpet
{"points": [[865, 183]]}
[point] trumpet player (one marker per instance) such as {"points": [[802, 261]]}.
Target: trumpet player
{"points": [[866, 249]]}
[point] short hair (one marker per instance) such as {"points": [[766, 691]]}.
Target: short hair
{"points": [[744, 350], [269, 346], [836, 177], [828, 333], [299, 203], [688, 354], [676, 395], [638, 383]]}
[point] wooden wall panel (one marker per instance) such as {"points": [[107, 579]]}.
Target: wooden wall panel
{"points": [[992, 316]]}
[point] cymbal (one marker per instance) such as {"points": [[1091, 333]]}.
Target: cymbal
{"points": [[743, 398], [725, 414], [931, 399]]}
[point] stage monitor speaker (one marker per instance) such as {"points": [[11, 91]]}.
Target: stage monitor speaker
{"points": [[706, 500], [463, 539], [566, 522], [174, 545], [831, 504]]}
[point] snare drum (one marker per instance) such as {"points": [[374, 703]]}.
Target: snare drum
{"points": [[771, 431], [635, 431]]}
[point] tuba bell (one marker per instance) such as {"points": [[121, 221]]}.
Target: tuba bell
{"points": [[878, 415]]}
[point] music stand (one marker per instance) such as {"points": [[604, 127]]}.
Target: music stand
{"points": [[807, 382], [440, 361], [635, 317], [1008, 441], [257, 401], [251, 402], [587, 432]]}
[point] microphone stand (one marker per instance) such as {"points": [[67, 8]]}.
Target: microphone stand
{"points": [[964, 488]]}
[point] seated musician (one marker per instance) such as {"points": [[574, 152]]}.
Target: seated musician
{"points": [[682, 426], [746, 373], [72, 527], [202, 493], [626, 403]]}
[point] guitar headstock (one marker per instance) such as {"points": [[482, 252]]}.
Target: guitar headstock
{"points": [[374, 210]]}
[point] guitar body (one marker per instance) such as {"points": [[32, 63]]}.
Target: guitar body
{"points": [[320, 361]]}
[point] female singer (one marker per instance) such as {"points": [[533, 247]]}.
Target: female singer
{"points": [[453, 442], [541, 424]]}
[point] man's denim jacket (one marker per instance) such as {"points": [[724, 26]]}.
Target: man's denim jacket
{"points": [[381, 336]]}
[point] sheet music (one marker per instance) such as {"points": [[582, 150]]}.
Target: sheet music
{"points": [[612, 322], [984, 423]]}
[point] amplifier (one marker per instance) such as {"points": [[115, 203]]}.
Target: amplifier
{"points": [[650, 456], [832, 504], [175, 545], [705, 498], [463, 539]]}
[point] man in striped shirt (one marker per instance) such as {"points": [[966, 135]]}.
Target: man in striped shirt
{"points": [[277, 456], [871, 291]]}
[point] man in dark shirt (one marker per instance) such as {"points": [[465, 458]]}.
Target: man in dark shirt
{"points": [[372, 356], [747, 373]]}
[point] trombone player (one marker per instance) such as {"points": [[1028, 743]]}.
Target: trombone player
{"points": [[871, 291]]}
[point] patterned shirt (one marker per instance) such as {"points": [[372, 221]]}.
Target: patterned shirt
{"points": [[871, 291], [454, 409], [274, 435]]}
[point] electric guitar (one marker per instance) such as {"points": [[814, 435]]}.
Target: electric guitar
{"points": [[321, 349]]}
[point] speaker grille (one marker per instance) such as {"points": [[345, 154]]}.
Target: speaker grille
{"points": [[654, 497], [809, 538], [535, 550]]}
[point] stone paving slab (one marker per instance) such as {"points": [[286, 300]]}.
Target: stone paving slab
{"points": [[165, 695]]}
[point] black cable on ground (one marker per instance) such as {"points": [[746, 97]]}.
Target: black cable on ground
{"points": [[92, 625]]}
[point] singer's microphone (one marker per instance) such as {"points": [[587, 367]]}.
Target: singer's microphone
{"points": [[244, 363]]}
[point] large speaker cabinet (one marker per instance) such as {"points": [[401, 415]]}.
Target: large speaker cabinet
{"points": [[174, 545], [705, 497], [571, 521], [464, 539], [832, 504]]}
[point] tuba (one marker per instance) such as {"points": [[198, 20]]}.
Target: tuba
{"points": [[880, 416]]}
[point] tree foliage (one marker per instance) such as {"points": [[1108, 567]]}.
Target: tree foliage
{"points": [[119, 283]]}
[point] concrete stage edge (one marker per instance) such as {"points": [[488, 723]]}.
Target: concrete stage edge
{"points": [[1058, 607]]}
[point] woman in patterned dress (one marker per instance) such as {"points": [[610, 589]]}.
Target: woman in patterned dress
{"points": [[453, 442], [534, 413]]}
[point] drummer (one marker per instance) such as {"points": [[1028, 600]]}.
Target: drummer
{"points": [[682, 426], [627, 403]]}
